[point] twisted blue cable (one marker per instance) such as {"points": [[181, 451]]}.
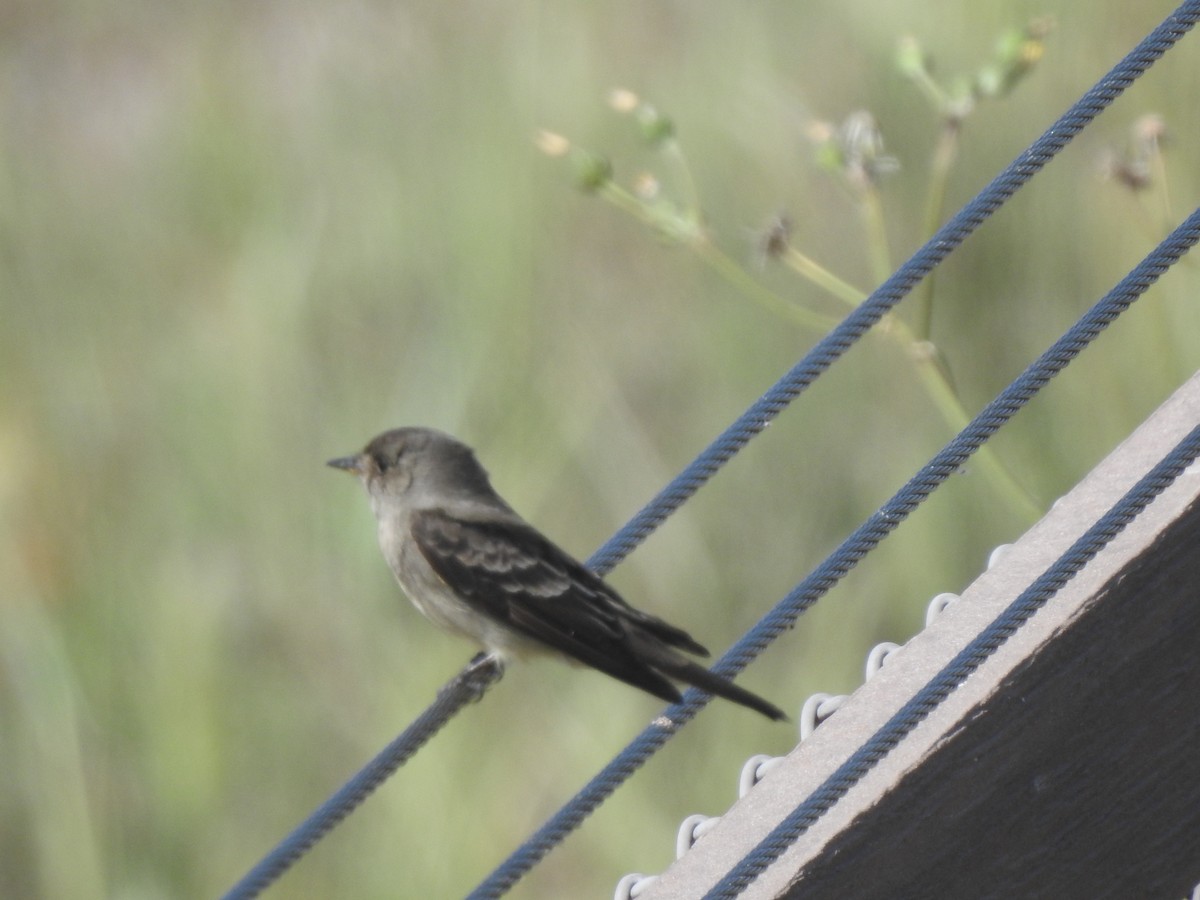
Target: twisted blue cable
{"points": [[892, 291], [1027, 164], [956, 671], [838, 563], [698, 472], [469, 685]]}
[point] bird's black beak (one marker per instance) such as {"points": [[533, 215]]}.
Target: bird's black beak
{"points": [[347, 463]]}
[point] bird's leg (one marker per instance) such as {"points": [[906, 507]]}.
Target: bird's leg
{"points": [[484, 670]]}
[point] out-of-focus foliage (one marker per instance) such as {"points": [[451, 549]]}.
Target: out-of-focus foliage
{"points": [[237, 239]]}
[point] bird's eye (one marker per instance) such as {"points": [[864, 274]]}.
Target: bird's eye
{"points": [[389, 459]]}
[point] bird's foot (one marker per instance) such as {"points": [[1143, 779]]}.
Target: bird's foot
{"points": [[484, 670]]}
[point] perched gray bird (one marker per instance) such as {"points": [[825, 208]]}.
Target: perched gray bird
{"points": [[473, 566]]}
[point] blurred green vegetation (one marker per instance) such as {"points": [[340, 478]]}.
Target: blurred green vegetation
{"points": [[237, 239]]}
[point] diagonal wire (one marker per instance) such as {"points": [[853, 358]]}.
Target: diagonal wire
{"points": [[757, 417], [837, 564], [469, 685], [1028, 163], [925, 701], [946, 239]]}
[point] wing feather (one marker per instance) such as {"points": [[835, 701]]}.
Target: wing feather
{"points": [[511, 573]]}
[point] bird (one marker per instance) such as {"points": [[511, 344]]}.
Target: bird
{"points": [[476, 568]]}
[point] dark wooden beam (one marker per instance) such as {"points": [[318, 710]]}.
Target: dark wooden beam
{"points": [[1067, 766]]}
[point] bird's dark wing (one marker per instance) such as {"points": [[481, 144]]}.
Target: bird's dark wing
{"points": [[510, 572]]}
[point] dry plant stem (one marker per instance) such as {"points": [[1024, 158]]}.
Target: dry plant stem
{"points": [[719, 261], [872, 208], [944, 155], [1166, 337], [673, 149], [808, 268], [935, 378], [1164, 194], [933, 375], [692, 234], [933, 91], [1156, 218]]}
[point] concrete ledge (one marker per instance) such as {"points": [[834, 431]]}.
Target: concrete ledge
{"points": [[1067, 766]]}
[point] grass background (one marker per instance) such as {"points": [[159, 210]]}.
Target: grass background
{"points": [[237, 239]]}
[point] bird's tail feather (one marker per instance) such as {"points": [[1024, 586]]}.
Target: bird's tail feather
{"points": [[695, 674]]}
